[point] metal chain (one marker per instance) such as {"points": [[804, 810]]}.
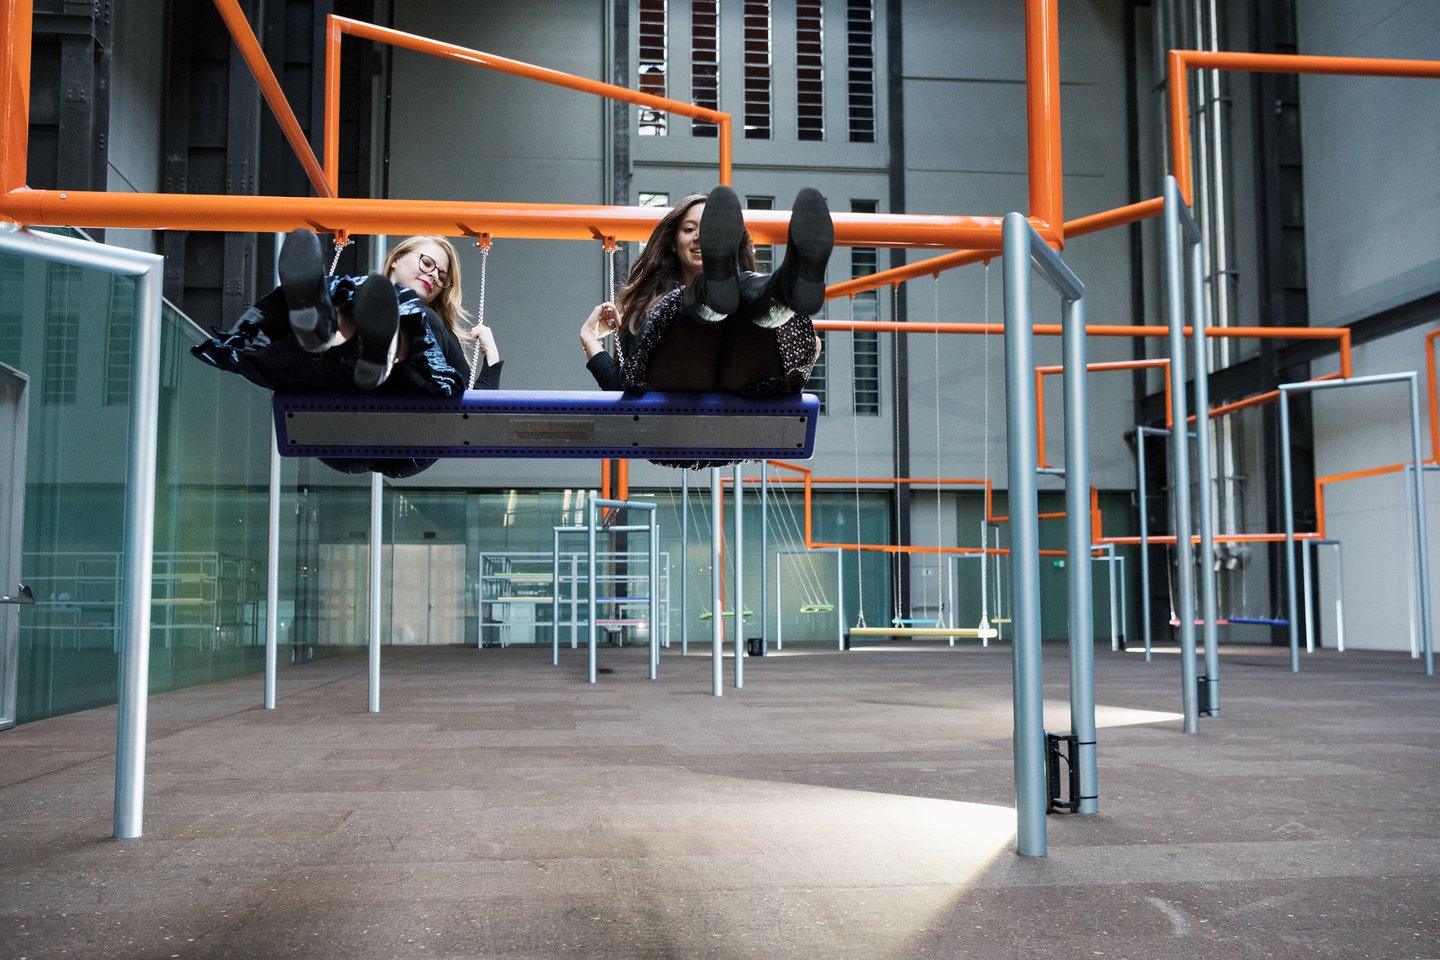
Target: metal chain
{"points": [[484, 244], [611, 248], [341, 242]]}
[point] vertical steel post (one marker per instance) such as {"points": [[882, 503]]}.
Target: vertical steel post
{"points": [[1204, 491], [590, 580], [764, 552], [1180, 453], [717, 618], [739, 480], [272, 573], [139, 555], [684, 563], [377, 529], [272, 553], [1144, 513], [1308, 594], [1077, 527], [1029, 738], [1421, 530], [1292, 611], [655, 625], [140, 471]]}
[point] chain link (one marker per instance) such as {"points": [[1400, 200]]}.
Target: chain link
{"points": [[484, 244], [611, 248], [341, 242]]}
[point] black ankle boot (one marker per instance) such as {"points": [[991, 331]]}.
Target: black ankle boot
{"points": [[722, 231], [377, 330], [307, 291], [800, 281]]}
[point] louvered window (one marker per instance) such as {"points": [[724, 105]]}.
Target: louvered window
{"points": [[654, 65], [705, 62], [810, 70], [757, 69], [860, 66]]}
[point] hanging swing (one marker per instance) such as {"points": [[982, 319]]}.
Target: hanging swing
{"points": [[577, 424], [901, 627]]}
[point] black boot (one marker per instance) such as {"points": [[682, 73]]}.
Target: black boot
{"points": [[800, 281], [722, 231], [307, 291], [377, 330]]}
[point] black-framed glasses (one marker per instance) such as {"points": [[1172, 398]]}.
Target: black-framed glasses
{"points": [[428, 265]]}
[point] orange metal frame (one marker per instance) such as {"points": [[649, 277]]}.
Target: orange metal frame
{"points": [[329, 213]]}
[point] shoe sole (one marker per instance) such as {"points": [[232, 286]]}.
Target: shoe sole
{"points": [[302, 278], [722, 228], [377, 330], [812, 233]]}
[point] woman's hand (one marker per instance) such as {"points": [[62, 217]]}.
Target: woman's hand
{"points": [[487, 343], [603, 321]]}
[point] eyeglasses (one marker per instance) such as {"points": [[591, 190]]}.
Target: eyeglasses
{"points": [[428, 265]]}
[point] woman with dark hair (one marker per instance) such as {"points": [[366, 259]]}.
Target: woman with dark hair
{"points": [[398, 330], [694, 315]]}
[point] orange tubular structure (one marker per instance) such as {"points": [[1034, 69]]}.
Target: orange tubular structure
{"points": [[1042, 90], [254, 58], [1181, 61], [1434, 395], [16, 17], [1099, 365]]}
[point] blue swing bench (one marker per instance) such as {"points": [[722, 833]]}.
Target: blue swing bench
{"points": [[548, 424]]}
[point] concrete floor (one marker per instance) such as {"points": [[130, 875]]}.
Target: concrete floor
{"points": [[855, 805]]}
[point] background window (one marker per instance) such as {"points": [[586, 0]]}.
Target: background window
{"points": [[764, 253], [757, 69], [864, 262], [860, 67], [809, 70], [653, 65], [705, 62]]}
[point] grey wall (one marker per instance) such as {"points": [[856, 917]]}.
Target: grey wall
{"points": [[1372, 200], [1373, 241]]}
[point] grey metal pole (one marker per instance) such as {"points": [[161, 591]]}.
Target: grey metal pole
{"points": [[684, 563], [738, 479], [1114, 597], [139, 546], [1421, 530], [764, 552], [1030, 786], [1417, 493], [555, 589], [1144, 512], [133, 687], [1208, 605], [1180, 454], [376, 544], [272, 574], [590, 583], [1077, 526], [1308, 593], [779, 604], [717, 618], [1339, 599], [654, 594], [1292, 611]]}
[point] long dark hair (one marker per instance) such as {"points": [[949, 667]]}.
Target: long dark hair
{"points": [[657, 270]]}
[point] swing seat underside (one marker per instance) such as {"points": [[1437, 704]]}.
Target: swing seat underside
{"points": [[972, 633], [548, 424]]}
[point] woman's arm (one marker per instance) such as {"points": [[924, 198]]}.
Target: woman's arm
{"points": [[603, 321]]}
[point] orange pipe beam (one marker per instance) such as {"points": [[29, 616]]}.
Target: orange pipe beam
{"points": [[1042, 101], [1098, 366], [1434, 394], [934, 265], [1181, 61], [16, 19], [540, 221], [254, 58], [338, 27]]}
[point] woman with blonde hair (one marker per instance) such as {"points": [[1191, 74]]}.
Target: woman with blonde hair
{"points": [[399, 330]]}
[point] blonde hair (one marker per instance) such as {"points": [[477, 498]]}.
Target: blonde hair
{"points": [[449, 303]]}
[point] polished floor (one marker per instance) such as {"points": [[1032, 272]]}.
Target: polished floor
{"points": [[841, 805]]}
